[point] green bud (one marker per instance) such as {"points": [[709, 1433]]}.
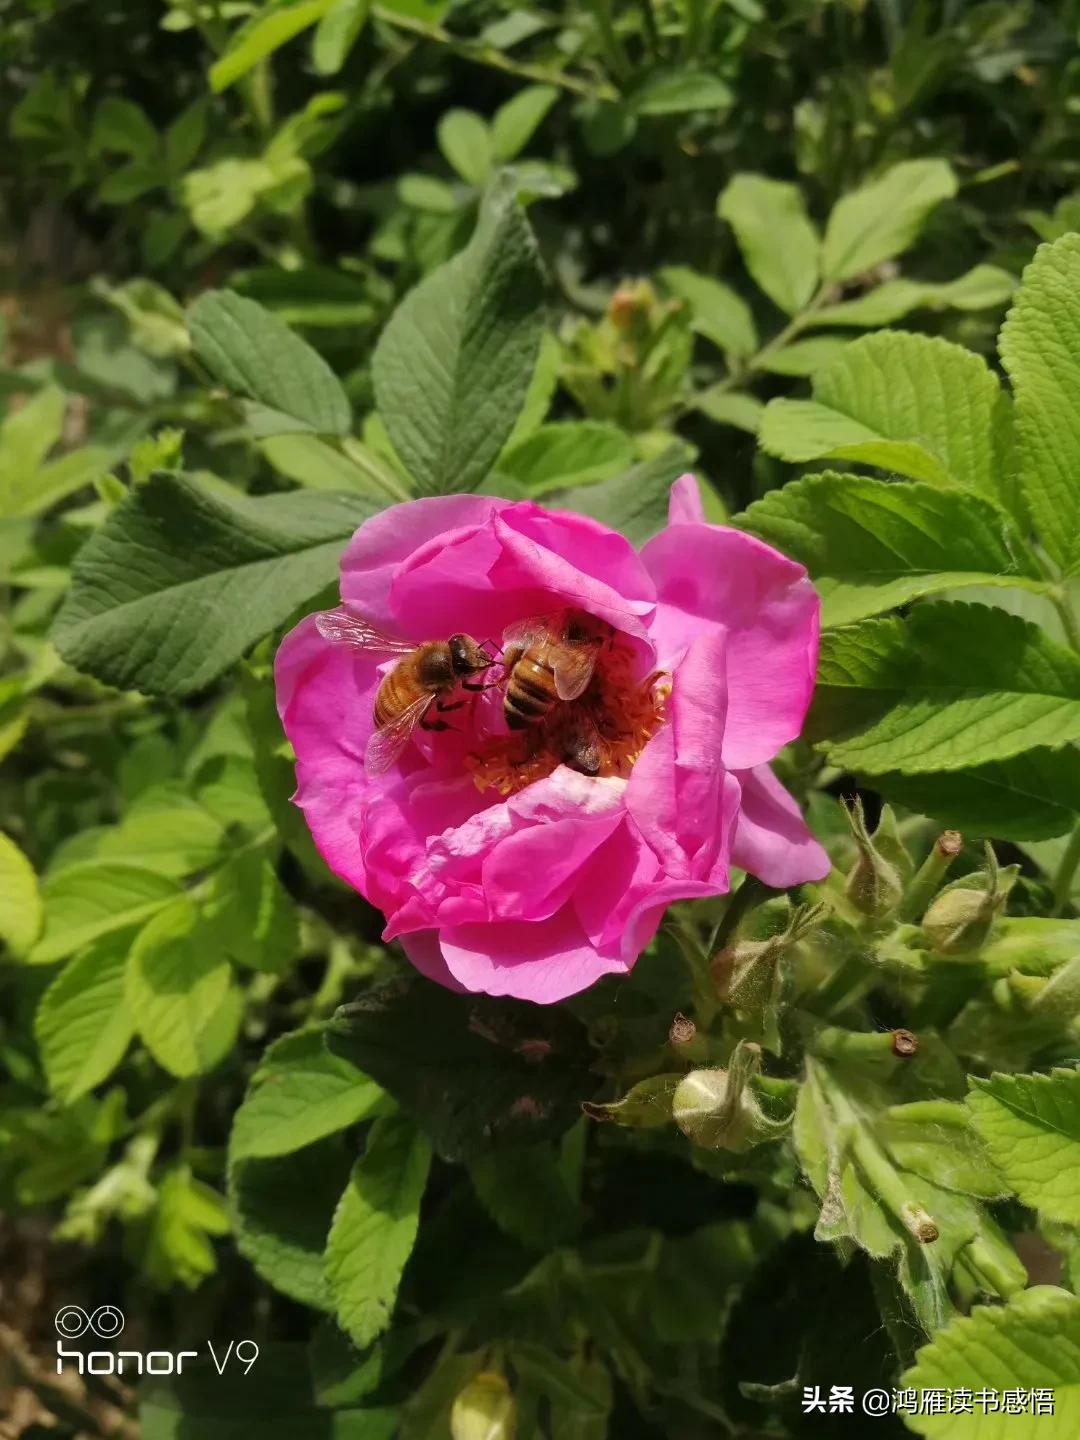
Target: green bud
{"points": [[485, 1409], [875, 884], [991, 1263], [745, 971], [960, 919], [718, 1110]]}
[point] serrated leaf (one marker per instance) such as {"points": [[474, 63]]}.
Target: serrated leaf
{"points": [[1033, 1342], [282, 1212], [300, 1093], [953, 687], [635, 502], [89, 899], [778, 242], [883, 218], [979, 288], [1033, 796], [475, 1071], [255, 919], [375, 1227], [1040, 350], [261, 36], [728, 407], [804, 357], [909, 403], [466, 340], [21, 912], [567, 452], [180, 992], [513, 124], [253, 353], [717, 311], [164, 830], [871, 545], [313, 463], [82, 1025], [1031, 1126], [337, 33], [180, 580], [465, 140]]}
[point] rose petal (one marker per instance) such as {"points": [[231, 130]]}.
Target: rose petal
{"points": [[539, 962], [684, 504], [710, 577], [772, 840]]}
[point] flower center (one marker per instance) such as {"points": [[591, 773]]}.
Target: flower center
{"points": [[602, 733]]}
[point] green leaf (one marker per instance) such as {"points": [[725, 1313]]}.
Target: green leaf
{"points": [[86, 900], [645, 1106], [282, 1211], [635, 503], [253, 353], [181, 580], [804, 357], [980, 288], [337, 33], [255, 920], [21, 912], [514, 123], [466, 341], [318, 466], [1033, 1342], [778, 242], [718, 313], [82, 1025], [1031, 1126], [883, 218], [261, 36], [164, 830], [300, 1093], [953, 687], [567, 452], [375, 1226], [180, 991], [475, 1070], [679, 92], [1033, 796], [523, 1191], [465, 140], [177, 1245], [184, 137], [1040, 349], [124, 126], [871, 545], [910, 403], [728, 407]]}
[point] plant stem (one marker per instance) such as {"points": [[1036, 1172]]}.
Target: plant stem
{"points": [[926, 882], [749, 895], [1066, 871], [1063, 606], [480, 54]]}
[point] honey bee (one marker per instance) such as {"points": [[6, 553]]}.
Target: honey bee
{"points": [[422, 677], [546, 660]]}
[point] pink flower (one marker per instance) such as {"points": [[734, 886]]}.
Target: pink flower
{"points": [[499, 867]]}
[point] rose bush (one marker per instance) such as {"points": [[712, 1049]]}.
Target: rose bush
{"points": [[537, 889]]}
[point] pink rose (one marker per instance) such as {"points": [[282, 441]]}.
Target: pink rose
{"points": [[499, 867]]}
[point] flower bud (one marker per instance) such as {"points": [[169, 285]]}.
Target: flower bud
{"points": [[960, 919], [485, 1409], [875, 883], [744, 972], [718, 1110]]}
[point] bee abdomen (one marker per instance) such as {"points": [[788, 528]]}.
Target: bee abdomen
{"points": [[393, 696]]}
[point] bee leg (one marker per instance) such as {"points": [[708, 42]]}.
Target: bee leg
{"points": [[427, 724], [442, 706], [491, 685]]}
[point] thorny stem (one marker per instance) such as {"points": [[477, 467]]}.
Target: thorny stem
{"points": [[1066, 871], [480, 54]]}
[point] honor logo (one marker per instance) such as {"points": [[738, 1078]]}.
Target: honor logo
{"points": [[107, 1322]]}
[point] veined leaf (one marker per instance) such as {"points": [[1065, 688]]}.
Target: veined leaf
{"points": [[804, 357], [180, 580], [465, 342], [1040, 349], [20, 900], [375, 1227], [300, 1093], [883, 218], [953, 687], [728, 407], [1031, 1126], [514, 123], [1033, 1342], [909, 403], [871, 545], [83, 1024], [778, 242], [634, 502], [718, 313], [979, 289], [253, 353], [86, 900], [567, 452]]}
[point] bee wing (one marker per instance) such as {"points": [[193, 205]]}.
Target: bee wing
{"points": [[343, 626], [388, 741], [525, 633], [574, 669]]}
